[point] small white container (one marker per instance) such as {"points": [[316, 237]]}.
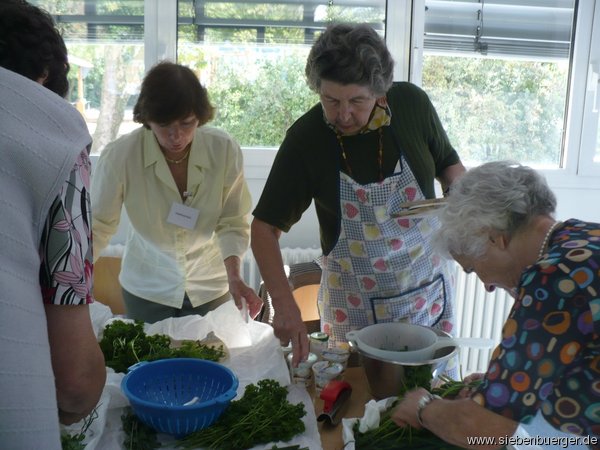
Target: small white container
{"points": [[286, 350], [336, 355], [324, 372], [303, 373], [318, 342]]}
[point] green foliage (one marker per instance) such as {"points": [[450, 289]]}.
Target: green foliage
{"points": [[124, 344], [499, 109], [261, 416], [415, 377], [490, 108], [70, 441], [390, 436], [289, 447], [257, 102], [138, 436]]}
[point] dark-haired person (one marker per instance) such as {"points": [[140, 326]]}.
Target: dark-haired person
{"points": [[367, 147], [182, 185], [51, 366]]}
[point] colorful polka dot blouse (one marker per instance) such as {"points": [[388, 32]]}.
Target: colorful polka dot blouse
{"points": [[549, 356]]}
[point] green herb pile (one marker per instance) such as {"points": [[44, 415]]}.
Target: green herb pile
{"points": [[138, 436], [70, 441], [289, 447], [261, 416], [390, 436], [125, 344]]}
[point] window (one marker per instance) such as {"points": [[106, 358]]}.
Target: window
{"points": [[105, 42], [251, 57], [510, 78], [498, 73]]}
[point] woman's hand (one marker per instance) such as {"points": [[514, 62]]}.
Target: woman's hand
{"points": [[469, 379], [238, 290], [289, 328]]}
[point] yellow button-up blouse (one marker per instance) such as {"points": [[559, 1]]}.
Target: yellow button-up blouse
{"points": [[162, 261]]}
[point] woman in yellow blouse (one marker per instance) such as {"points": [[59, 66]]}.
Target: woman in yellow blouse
{"points": [[183, 188]]}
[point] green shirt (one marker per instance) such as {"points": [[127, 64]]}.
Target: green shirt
{"points": [[309, 160]]}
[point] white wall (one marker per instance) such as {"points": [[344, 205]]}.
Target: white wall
{"points": [[257, 164]]}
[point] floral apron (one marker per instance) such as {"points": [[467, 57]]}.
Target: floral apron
{"points": [[383, 269]]}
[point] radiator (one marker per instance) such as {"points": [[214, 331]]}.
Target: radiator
{"points": [[478, 313]]}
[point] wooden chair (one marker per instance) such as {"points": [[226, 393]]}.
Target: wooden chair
{"points": [[304, 279], [107, 289]]}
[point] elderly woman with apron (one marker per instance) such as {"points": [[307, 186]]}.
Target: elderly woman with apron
{"points": [[368, 146]]}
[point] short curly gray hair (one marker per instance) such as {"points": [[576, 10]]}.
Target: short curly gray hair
{"points": [[350, 54], [501, 196]]}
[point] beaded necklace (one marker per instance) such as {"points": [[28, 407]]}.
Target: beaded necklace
{"points": [[547, 238], [180, 160], [379, 154]]}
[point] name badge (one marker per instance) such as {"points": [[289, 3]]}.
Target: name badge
{"points": [[183, 216]]}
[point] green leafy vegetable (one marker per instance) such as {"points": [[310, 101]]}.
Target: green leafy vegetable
{"points": [[415, 377], [125, 344], [261, 416], [390, 436], [451, 388], [138, 436], [72, 441], [289, 447], [75, 441]]}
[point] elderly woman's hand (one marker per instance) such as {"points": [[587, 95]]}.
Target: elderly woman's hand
{"points": [[405, 412], [470, 380]]}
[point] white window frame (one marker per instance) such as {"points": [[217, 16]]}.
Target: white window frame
{"points": [[576, 184], [160, 31], [578, 170], [591, 104]]}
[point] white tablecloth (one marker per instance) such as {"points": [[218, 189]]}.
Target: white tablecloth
{"points": [[254, 354]]}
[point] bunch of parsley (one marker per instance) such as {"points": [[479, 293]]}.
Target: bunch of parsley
{"points": [[261, 416], [125, 344], [389, 436]]}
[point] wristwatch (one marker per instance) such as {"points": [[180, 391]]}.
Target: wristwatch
{"points": [[422, 403]]}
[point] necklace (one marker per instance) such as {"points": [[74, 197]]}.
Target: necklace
{"points": [[547, 238], [180, 160], [379, 154]]}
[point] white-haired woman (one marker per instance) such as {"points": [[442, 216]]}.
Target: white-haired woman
{"points": [[499, 223]]}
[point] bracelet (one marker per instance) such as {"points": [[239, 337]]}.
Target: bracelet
{"points": [[422, 403]]}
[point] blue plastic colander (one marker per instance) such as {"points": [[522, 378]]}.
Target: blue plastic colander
{"points": [[180, 395]]}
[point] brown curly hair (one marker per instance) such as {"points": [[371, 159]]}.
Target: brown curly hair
{"points": [[170, 92]]}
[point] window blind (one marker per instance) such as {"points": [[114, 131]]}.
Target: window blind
{"points": [[538, 29]]}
